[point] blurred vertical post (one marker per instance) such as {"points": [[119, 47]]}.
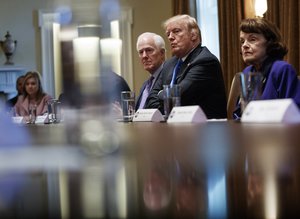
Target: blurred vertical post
{"points": [[111, 53], [111, 48], [87, 59]]}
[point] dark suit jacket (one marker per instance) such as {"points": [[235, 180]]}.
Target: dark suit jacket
{"points": [[111, 86], [201, 81], [11, 102], [139, 98]]}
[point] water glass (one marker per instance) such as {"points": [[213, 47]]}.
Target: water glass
{"points": [[128, 105], [176, 95], [54, 111], [32, 114], [171, 97], [251, 87], [167, 97]]}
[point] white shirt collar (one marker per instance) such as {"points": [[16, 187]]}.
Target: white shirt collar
{"points": [[184, 58]]}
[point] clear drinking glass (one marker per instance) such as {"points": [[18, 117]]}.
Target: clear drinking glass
{"points": [[176, 96], [128, 105], [32, 114], [171, 97], [54, 111], [251, 87], [168, 102]]}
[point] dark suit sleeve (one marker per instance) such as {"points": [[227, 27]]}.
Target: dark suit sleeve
{"points": [[112, 85], [202, 84], [153, 101], [200, 78], [121, 85]]}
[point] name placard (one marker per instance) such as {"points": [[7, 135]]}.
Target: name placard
{"points": [[271, 111], [148, 115], [17, 119], [41, 119], [192, 114]]}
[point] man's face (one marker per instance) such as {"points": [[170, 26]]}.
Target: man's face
{"points": [[20, 85], [150, 55], [180, 38]]}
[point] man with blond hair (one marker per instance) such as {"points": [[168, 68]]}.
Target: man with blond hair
{"points": [[193, 67]]}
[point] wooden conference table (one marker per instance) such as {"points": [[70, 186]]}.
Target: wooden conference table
{"points": [[153, 170]]}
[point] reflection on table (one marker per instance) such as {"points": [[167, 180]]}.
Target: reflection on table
{"points": [[156, 170]]}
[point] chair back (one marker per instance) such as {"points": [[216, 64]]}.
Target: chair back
{"points": [[233, 96]]}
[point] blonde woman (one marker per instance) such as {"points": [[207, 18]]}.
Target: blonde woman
{"points": [[33, 97]]}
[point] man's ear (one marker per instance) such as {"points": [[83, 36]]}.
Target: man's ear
{"points": [[163, 51], [193, 36]]}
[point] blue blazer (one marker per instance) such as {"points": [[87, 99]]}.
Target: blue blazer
{"points": [[201, 81], [280, 81]]}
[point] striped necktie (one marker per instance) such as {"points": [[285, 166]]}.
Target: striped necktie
{"points": [[146, 92]]}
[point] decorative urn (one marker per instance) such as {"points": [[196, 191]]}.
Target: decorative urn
{"points": [[8, 46]]}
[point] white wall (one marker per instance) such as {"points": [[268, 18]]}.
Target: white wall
{"points": [[20, 17]]}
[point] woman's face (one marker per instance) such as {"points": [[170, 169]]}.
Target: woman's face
{"points": [[31, 86], [253, 47]]}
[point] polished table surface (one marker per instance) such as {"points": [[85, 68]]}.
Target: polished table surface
{"points": [[221, 169]]}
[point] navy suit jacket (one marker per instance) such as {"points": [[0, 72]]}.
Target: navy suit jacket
{"points": [[201, 81], [111, 86]]}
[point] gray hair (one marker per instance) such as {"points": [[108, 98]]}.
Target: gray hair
{"points": [[158, 40]]}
